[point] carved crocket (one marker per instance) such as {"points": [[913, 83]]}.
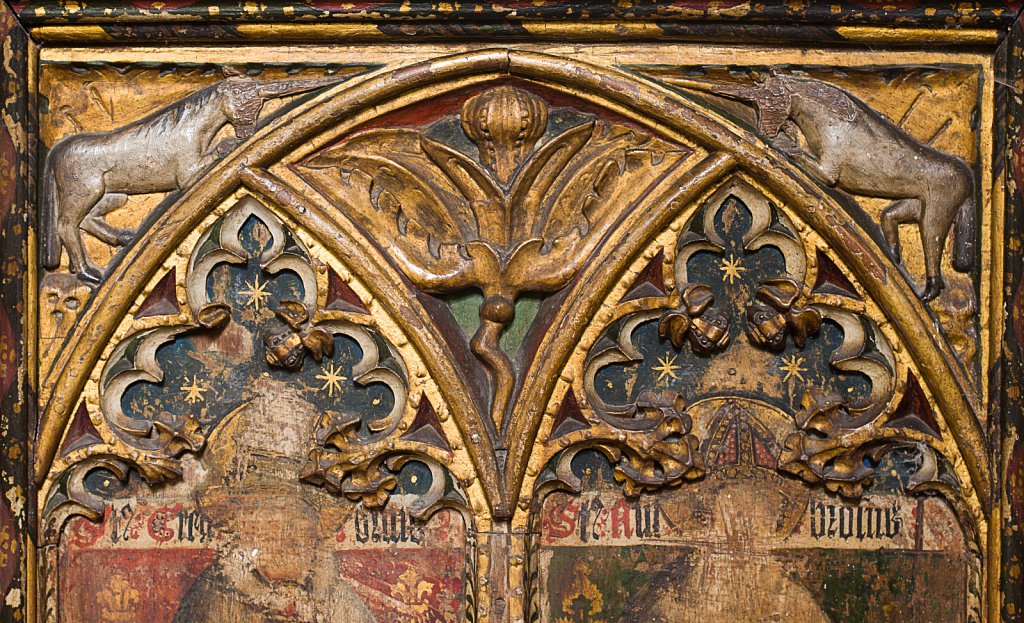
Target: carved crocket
{"points": [[89, 175], [855, 149]]}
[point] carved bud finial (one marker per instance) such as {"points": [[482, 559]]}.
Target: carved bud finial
{"points": [[505, 123], [706, 329], [773, 314], [288, 347]]}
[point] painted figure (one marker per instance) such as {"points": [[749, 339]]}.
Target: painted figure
{"points": [[735, 576], [277, 563]]}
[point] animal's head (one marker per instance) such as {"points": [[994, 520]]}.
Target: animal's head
{"points": [[774, 104], [772, 96], [775, 94], [243, 96]]}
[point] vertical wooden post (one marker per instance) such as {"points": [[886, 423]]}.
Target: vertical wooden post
{"points": [[1010, 398], [17, 392]]}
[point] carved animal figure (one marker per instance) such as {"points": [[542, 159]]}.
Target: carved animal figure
{"points": [[89, 175], [855, 149]]}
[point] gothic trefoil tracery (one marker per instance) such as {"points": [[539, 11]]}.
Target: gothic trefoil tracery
{"points": [[503, 335]]}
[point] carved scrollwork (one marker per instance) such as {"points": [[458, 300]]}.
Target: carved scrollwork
{"points": [[652, 450], [72, 494], [368, 471], [360, 457], [830, 451], [841, 449], [162, 437]]}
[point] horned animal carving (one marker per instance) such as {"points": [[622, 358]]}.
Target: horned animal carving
{"points": [[855, 149], [88, 175]]}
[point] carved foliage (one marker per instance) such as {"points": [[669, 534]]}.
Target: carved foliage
{"points": [[509, 201], [367, 470], [825, 362], [253, 312], [649, 447]]}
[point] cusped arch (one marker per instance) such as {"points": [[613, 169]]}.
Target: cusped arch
{"points": [[665, 112]]}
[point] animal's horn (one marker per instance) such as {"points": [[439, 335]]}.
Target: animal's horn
{"points": [[693, 85], [282, 88], [737, 92]]}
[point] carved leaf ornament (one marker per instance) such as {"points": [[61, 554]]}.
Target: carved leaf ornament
{"points": [[251, 287], [515, 190], [520, 217]]}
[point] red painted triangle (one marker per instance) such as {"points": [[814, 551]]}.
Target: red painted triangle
{"points": [[569, 418], [163, 300], [81, 433], [340, 296], [763, 457], [831, 280], [426, 427], [914, 412], [731, 446], [650, 281]]}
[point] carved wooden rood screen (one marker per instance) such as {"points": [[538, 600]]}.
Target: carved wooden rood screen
{"points": [[504, 313]]}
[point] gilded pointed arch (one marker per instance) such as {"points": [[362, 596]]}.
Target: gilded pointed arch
{"points": [[501, 452]]}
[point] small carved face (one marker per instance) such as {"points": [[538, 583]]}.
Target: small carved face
{"points": [[766, 326], [63, 297], [285, 350]]}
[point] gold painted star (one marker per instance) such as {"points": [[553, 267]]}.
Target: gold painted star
{"points": [[194, 390], [257, 293], [793, 367], [732, 268], [332, 380], [667, 368]]}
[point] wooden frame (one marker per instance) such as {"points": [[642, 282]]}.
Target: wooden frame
{"points": [[479, 43]]}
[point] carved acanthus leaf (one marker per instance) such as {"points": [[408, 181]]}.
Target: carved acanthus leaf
{"points": [[343, 462], [654, 450], [832, 448], [519, 217]]}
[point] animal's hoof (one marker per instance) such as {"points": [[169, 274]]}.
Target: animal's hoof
{"points": [[932, 289], [90, 276], [125, 237]]}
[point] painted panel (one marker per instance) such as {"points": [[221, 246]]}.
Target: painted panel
{"points": [[534, 333]]}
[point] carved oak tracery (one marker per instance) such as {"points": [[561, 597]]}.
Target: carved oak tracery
{"points": [[552, 184], [837, 437]]}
